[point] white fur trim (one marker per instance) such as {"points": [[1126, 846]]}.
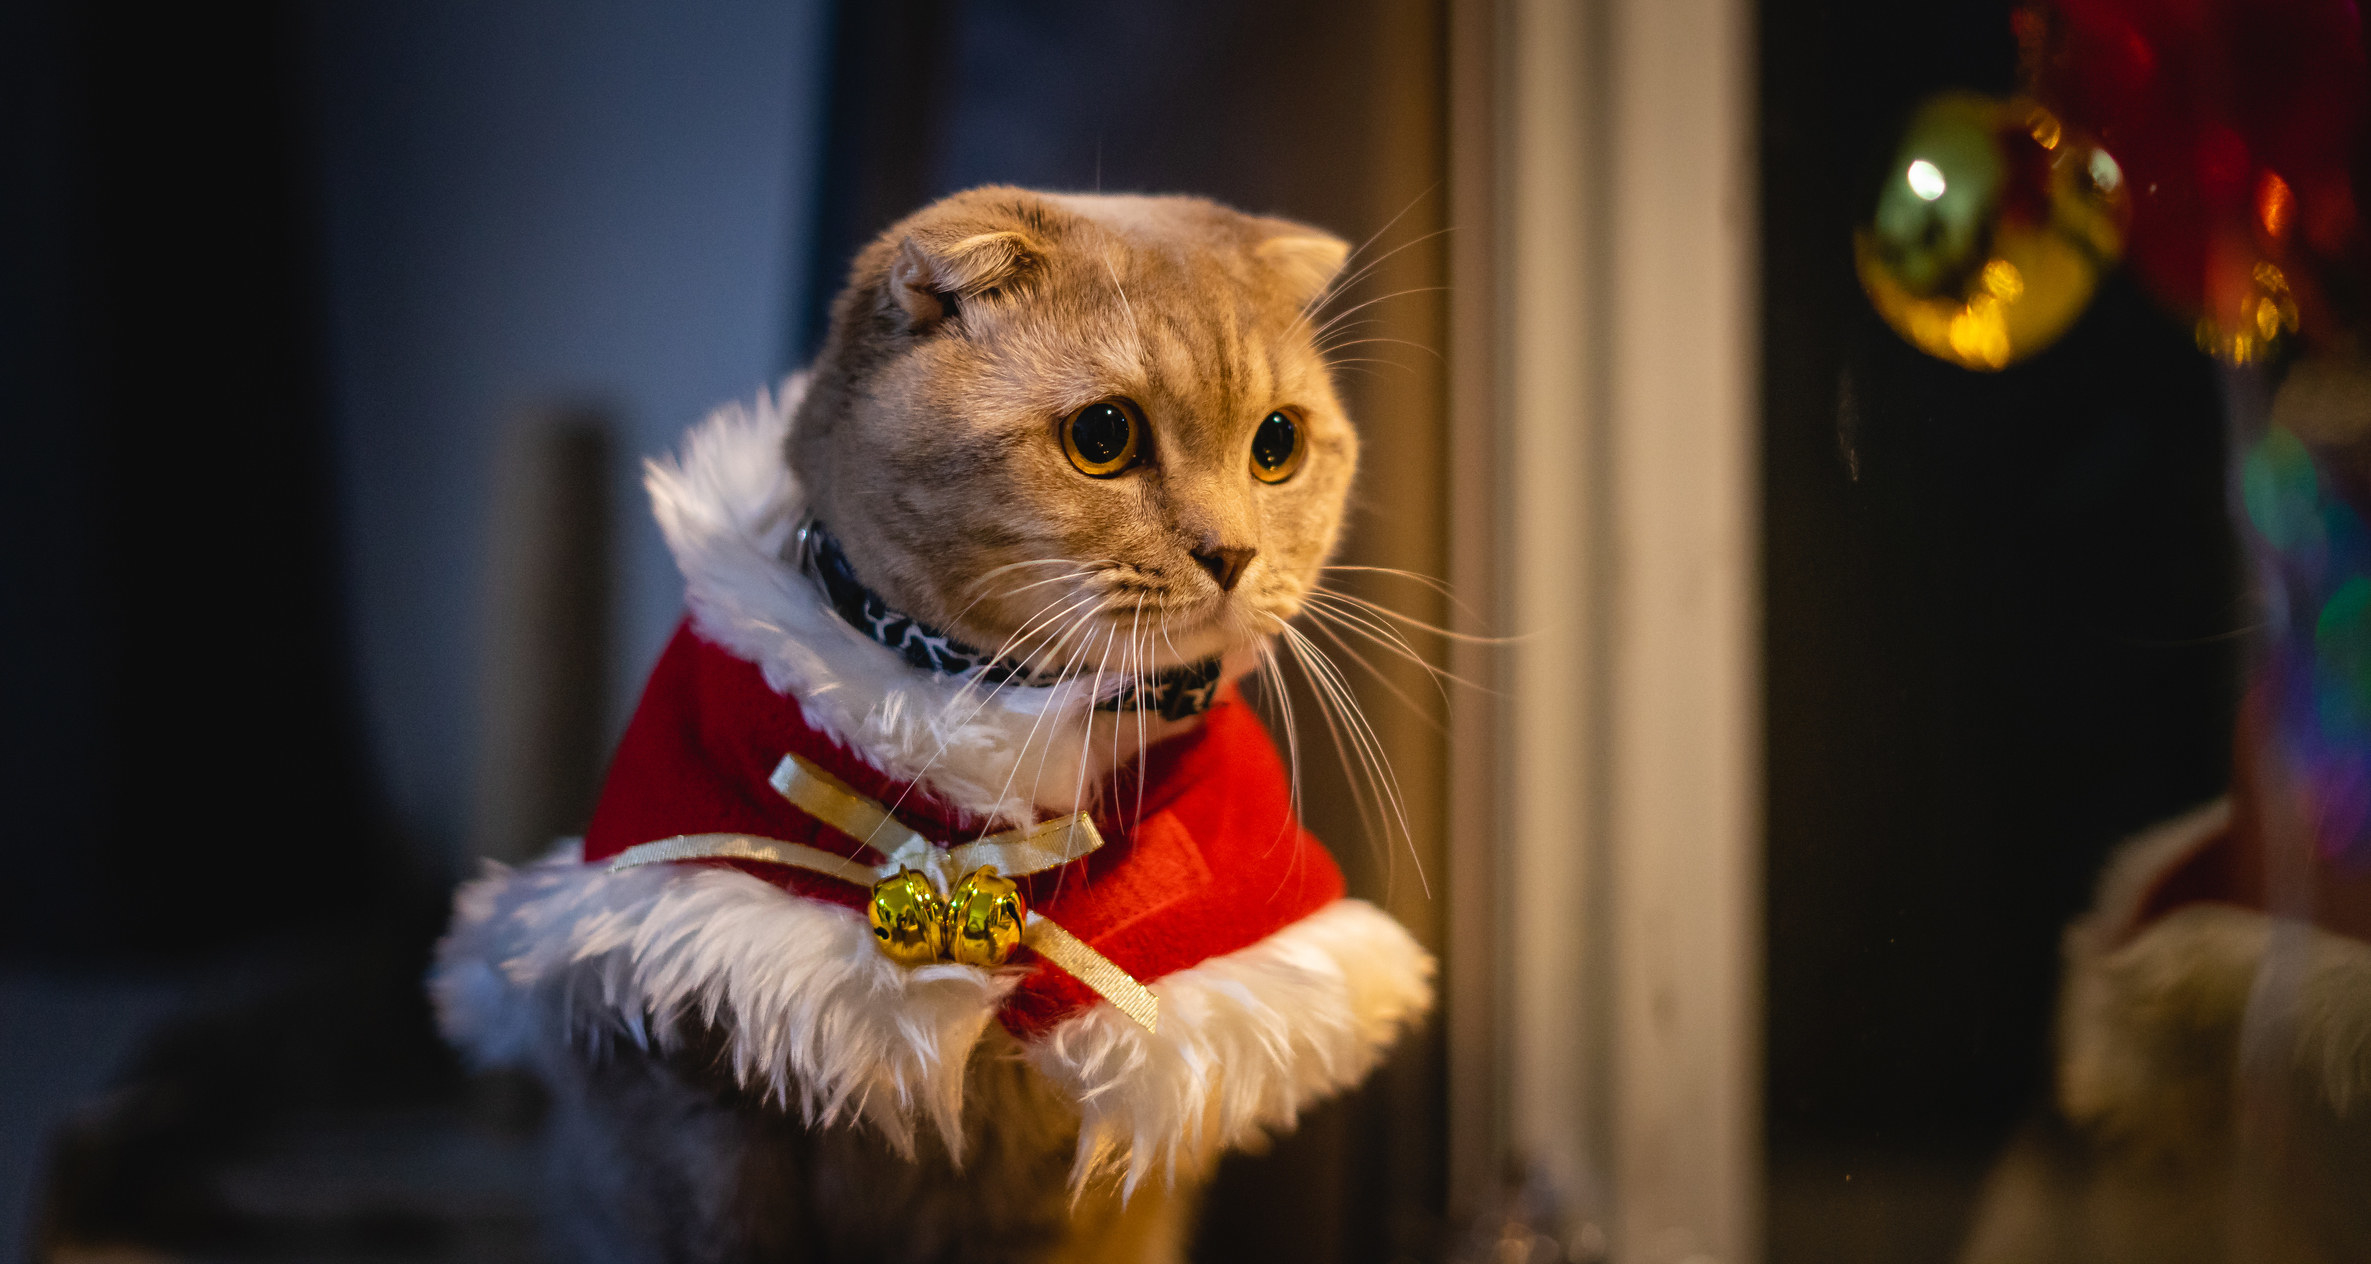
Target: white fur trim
{"points": [[2150, 1017], [816, 1016], [815, 1013], [728, 505], [1246, 1042]]}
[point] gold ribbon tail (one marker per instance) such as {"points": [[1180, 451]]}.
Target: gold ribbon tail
{"points": [[744, 847], [1092, 968]]}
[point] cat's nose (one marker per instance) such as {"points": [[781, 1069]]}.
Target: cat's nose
{"points": [[1225, 564]]}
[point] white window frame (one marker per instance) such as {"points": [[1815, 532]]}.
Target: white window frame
{"points": [[1605, 972]]}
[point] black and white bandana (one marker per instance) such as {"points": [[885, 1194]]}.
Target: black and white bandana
{"points": [[1176, 693]]}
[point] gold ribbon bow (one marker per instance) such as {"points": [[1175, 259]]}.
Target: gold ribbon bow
{"points": [[953, 896]]}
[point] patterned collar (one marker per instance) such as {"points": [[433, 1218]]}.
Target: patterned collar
{"points": [[1176, 693]]}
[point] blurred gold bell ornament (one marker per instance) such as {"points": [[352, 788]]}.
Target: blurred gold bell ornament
{"points": [[1991, 230]]}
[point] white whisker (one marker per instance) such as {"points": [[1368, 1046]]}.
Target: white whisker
{"points": [[1344, 280], [1377, 836], [1078, 791], [1292, 735], [1085, 623], [1328, 327], [1395, 616], [1125, 305], [1132, 667], [1384, 637], [1385, 681], [1368, 744], [1035, 621], [1330, 349], [986, 698], [1353, 278]]}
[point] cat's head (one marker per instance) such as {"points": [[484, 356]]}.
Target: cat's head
{"points": [[1037, 409]]}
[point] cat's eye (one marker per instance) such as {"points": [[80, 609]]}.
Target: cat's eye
{"points": [[1104, 438], [1276, 448]]}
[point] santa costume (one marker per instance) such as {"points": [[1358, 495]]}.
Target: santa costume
{"points": [[1191, 974]]}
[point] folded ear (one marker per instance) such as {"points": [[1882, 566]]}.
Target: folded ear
{"points": [[934, 272], [1304, 262]]}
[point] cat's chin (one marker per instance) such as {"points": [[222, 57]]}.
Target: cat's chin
{"points": [[1220, 631], [1223, 630]]}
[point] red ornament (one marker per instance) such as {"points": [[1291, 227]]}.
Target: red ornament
{"points": [[2238, 124]]}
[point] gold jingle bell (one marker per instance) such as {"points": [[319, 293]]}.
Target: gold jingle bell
{"points": [[1991, 231], [984, 918], [909, 919], [978, 925]]}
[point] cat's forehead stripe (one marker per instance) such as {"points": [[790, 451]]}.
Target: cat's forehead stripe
{"points": [[1199, 354]]}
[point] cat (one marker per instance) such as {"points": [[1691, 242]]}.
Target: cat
{"points": [[1064, 469]]}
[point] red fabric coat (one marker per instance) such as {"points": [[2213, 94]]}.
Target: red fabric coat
{"points": [[1216, 863]]}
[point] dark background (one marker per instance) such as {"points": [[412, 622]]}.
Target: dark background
{"points": [[2003, 633], [175, 649], [2000, 607]]}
